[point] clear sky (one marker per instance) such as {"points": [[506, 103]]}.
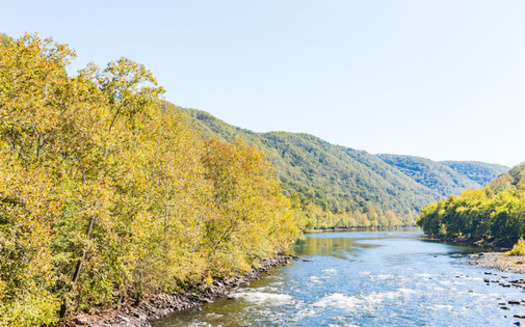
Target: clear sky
{"points": [[438, 79]]}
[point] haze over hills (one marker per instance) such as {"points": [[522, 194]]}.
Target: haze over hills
{"points": [[332, 185]]}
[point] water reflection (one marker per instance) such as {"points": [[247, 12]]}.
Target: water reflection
{"points": [[313, 246]]}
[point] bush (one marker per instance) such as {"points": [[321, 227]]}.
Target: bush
{"points": [[518, 248]]}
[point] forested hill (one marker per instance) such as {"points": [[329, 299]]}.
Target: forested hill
{"points": [[447, 177], [330, 185], [337, 186], [480, 172]]}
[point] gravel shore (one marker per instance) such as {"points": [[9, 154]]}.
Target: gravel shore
{"points": [[500, 261]]}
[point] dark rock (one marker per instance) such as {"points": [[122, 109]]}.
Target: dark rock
{"points": [[504, 308], [519, 316], [515, 302]]}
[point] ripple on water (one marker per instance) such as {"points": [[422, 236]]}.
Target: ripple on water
{"points": [[368, 302], [263, 297]]}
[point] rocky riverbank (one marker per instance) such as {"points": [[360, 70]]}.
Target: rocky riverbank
{"points": [[500, 261], [138, 313], [496, 260]]}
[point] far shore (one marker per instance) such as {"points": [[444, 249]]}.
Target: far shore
{"points": [[355, 229], [499, 246]]}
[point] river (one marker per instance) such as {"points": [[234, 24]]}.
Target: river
{"points": [[393, 278]]}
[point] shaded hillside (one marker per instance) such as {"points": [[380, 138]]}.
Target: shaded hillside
{"points": [[330, 184], [434, 175], [479, 172]]}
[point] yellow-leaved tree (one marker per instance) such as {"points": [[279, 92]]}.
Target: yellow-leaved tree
{"points": [[106, 194]]}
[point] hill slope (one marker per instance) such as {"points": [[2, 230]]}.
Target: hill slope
{"points": [[434, 175], [479, 172], [445, 177], [332, 185]]}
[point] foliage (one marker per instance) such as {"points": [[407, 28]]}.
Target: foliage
{"points": [[518, 248], [104, 194], [496, 212]]}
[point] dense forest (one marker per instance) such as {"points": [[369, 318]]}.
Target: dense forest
{"points": [[335, 186], [105, 195], [494, 213]]}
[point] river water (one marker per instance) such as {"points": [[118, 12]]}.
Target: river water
{"points": [[367, 279]]}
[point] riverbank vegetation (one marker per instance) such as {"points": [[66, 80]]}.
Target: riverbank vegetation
{"points": [[494, 213], [105, 195]]}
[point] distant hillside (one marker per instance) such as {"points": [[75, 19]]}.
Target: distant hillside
{"points": [[479, 172], [445, 177], [332, 185], [434, 175]]}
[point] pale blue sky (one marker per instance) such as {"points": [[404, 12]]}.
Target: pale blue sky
{"points": [[438, 79]]}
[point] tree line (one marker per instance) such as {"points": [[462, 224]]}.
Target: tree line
{"points": [[495, 213], [107, 194]]}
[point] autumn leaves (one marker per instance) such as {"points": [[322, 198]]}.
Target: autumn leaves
{"points": [[104, 194]]}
